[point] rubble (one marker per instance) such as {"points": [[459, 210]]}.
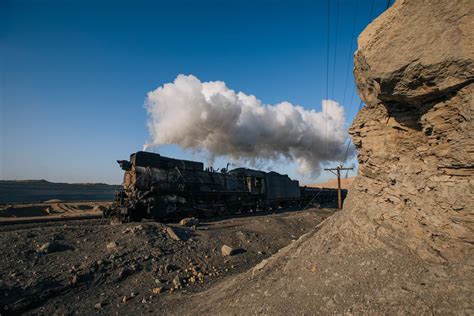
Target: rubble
{"points": [[158, 290], [189, 222], [112, 246], [177, 282], [229, 251], [133, 229], [172, 234], [44, 248]]}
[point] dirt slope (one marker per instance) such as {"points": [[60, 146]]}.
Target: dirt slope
{"points": [[404, 241]]}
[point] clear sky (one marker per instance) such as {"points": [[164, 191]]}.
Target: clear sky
{"points": [[74, 74]]}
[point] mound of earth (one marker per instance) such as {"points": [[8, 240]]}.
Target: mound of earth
{"points": [[404, 241]]}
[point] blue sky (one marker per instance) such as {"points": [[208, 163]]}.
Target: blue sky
{"points": [[74, 74]]}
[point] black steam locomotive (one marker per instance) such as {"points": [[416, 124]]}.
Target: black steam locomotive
{"points": [[158, 187]]}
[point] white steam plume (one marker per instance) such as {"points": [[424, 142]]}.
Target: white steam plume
{"points": [[208, 116]]}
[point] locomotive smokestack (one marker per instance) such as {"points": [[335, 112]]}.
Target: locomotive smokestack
{"points": [[211, 117]]}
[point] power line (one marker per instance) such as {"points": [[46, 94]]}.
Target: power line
{"points": [[327, 85], [352, 97], [350, 51], [349, 141], [335, 51], [370, 19], [327, 52]]}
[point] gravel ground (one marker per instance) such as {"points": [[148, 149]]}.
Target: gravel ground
{"points": [[91, 266]]}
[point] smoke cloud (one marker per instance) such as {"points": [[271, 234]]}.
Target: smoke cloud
{"points": [[210, 117]]}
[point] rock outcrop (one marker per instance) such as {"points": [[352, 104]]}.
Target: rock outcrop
{"points": [[415, 71], [404, 242]]}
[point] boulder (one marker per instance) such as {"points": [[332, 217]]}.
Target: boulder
{"points": [[229, 251]]}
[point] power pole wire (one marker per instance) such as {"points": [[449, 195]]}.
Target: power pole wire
{"points": [[361, 103], [349, 141], [350, 51], [355, 87], [327, 86], [327, 54], [335, 51]]}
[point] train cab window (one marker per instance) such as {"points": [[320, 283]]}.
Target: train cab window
{"points": [[258, 182], [248, 181]]}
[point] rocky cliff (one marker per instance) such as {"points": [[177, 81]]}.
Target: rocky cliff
{"points": [[415, 71], [404, 241]]}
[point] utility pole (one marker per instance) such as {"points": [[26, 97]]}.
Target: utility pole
{"points": [[338, 174]]}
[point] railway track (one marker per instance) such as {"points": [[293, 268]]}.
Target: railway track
{"points": [[21, 223], [30, 223]]}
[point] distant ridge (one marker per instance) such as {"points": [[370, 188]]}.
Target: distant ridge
{"points": [[16, 191], [55, 183], [345, 184]]}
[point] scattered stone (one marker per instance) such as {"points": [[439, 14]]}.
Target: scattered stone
{"points": [[189, 222], [134, 230], [172, 234], [112, 246], [122, 273], [98, 306], [73, 280], [229, 251], [177, 282], [45, 248], [158, 290]]}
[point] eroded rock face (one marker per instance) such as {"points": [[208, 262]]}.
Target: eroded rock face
{"points": [[415, 70]]}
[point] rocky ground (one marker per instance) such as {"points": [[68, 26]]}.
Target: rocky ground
{"points": [[91, 266]]}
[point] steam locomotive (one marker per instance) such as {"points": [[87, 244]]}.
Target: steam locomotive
{"points": [[158, 187]]}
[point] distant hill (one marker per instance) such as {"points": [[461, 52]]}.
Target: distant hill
{"points": [[345, 184], [14, 191]]}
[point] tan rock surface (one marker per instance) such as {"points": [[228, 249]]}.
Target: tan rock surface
{"points": [[404, 241]]}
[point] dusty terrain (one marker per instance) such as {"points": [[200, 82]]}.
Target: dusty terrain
{"points": [[403, 244], [91, 266]]}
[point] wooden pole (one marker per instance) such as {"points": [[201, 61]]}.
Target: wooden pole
{"points": [[339, 196], [338, 174]]}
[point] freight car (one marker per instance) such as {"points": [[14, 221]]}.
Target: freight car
{"points": [[158, 187]]}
